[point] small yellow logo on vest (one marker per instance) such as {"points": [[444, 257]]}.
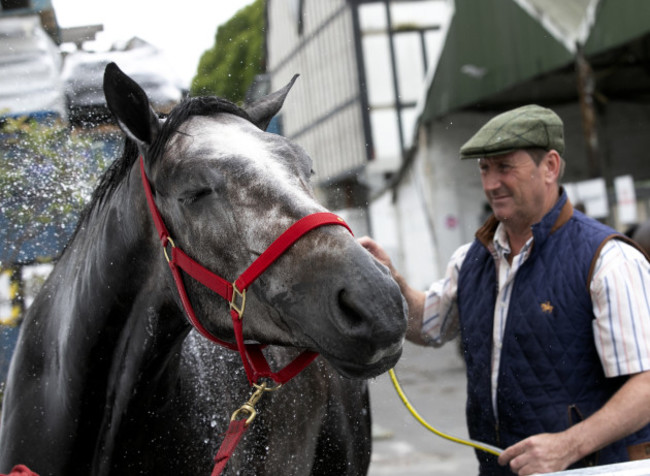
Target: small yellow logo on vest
{"points": [[547, 307]]}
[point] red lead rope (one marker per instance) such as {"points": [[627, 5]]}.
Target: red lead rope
{"points": [[20, 470], [252, 357]]}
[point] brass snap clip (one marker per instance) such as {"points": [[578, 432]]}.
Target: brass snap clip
{"points": [[248, 408]]}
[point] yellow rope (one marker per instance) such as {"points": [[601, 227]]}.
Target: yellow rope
{"points": [[475, 444]]}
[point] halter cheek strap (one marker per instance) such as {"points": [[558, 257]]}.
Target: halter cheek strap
{"points": [[253, 359]]}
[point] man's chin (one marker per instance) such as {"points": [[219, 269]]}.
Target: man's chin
{"points": [[501, 214]]}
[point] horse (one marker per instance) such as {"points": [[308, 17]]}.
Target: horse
{"points": [[113, 373]]}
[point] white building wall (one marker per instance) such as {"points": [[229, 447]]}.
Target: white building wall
{"points": [[452, 194], [402, 228], [385, 90], [322, 113], [439, 203]]}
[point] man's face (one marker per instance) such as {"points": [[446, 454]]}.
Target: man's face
{"points": [[515, 187]]}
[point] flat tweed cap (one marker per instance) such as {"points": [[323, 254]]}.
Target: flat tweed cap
{"points": [[526, 127]]}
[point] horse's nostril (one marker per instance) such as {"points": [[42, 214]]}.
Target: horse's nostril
{"points": [[349, 308]]}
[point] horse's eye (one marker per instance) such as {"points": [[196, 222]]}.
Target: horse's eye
{"points": [[195, 196]]}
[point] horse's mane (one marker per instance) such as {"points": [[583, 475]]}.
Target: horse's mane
{"points": [[119, 168]]}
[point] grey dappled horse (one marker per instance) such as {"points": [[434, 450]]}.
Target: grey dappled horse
{"points": [[109, 377]]}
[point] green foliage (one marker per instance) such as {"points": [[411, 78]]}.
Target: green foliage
{"points": [[47, 174], [229, 67]]}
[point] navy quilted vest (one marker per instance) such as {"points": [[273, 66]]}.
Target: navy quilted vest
{"points": [[550, 375]]}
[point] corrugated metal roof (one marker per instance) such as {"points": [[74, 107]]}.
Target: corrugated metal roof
{"points": [[495, 45], [617, 23], [490, 46]]}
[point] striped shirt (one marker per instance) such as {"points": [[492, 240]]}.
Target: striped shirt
{"points": [[619, 291]]}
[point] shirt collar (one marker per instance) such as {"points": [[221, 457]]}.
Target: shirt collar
{"points": [[500, 241], [501, 245]]}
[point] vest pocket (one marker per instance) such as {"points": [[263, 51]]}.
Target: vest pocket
{"points": [[575, 416]]}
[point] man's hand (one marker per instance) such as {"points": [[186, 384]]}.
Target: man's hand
{"points": [[543, 453], [414, 298], [377, 251]]}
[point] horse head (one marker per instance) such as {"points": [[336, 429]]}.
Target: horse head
{"points": [[226, 189]]}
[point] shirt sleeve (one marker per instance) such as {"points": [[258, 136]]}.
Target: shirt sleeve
{"points": [[440, 317], [621, 304]]}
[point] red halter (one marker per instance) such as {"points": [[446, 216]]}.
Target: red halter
{"points": [[254, 361]]}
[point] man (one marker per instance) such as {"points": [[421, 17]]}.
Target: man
{"points": [[552, 308]]}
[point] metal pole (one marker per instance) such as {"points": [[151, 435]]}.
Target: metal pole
{"points": [[586, 86]]}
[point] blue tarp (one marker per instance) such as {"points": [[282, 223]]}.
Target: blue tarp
{"points": [[47, 240]]}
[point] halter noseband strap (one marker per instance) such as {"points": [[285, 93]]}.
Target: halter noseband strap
{"points": [[253, 359]]}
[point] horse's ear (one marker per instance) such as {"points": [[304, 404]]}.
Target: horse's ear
{"points": [[129, 104], [262, 110]]}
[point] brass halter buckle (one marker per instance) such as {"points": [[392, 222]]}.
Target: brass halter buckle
{"points": [[238, 300], [171, 243]]}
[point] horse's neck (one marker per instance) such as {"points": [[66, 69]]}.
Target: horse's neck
{"points": [[106, 289], [108, 327], [103, 264]]}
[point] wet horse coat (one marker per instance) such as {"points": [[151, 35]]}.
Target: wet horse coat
{"points": [[110, 378]]}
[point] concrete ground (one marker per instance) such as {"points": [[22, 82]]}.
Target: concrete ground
{"points": [[434, 382]]}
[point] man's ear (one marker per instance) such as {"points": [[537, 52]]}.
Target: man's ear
{"points": [[554, 165]]}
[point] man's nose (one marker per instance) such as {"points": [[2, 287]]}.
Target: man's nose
{"points": [[491, 180]]}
